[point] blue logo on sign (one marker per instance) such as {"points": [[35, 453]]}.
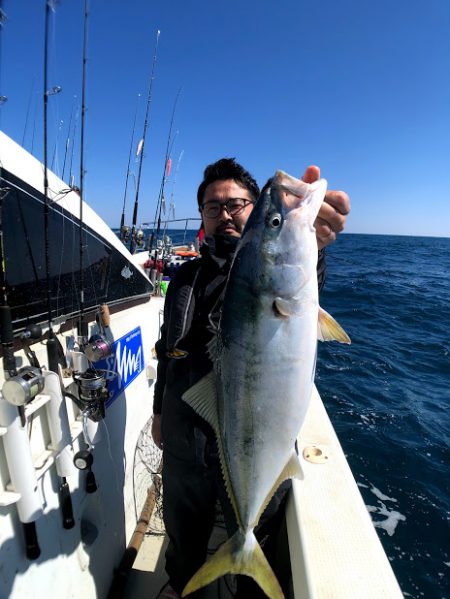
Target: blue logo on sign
{"points": [[124, 364]]}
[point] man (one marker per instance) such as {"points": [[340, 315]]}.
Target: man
{"points": [[192, 480]]}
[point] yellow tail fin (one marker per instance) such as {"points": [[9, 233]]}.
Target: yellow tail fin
{"points": [[241, 554]]}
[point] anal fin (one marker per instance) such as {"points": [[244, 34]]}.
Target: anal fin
{"points": [[292, 469], [202, 397]]}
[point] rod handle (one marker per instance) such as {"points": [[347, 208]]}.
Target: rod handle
{"points": [[33, 550], [91, 483], [65, 502]]}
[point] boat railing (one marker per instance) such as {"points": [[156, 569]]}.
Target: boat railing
{"points": [[157, 253], [146, 242]]}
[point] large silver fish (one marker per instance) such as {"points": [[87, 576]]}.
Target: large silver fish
{"points": [[265, 352]]}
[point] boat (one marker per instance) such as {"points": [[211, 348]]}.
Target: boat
{"points": [[76, 495]]}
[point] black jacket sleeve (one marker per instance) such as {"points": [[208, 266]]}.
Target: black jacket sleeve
{"points": [[178, 314]]}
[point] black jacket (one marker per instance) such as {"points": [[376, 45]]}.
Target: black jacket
{"points": [[191, 311]]}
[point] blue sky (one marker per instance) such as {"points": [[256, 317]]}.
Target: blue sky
{"points": [[361, 89]]}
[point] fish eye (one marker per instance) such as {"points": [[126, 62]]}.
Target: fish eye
{"points": [[274, 220]]}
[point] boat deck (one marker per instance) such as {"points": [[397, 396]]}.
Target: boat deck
{"points": [[334, 549], [148, 576]]}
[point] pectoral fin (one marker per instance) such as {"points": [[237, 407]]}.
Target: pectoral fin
{"points": [[330, 330], [284, 308]]}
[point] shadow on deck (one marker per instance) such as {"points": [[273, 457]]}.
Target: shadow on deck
{"points": [[148, 576]]}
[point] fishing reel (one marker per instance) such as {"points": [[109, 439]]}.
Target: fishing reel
{"points": [[98, 347], [23, 387], [91, 383], [125, 233], [139, 238], [83, 460], [92, 393]]}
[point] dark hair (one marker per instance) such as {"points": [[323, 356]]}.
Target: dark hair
{"points": [[224, 169]]}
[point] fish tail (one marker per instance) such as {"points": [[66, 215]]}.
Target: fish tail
{"points": [[241, 554]]}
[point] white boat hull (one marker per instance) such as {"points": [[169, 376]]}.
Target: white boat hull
{"points": [[80, 562]]}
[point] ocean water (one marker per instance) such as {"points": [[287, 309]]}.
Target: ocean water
{"points": [[388, 394]]}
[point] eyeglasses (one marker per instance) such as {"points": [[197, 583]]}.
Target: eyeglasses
{"points": [[233, 206]]}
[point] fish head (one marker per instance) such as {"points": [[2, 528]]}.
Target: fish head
{"points": [[281, 231], [297, 200]]}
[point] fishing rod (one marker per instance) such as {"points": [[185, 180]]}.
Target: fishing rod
{"points": [[6, 329], [28, 113], [124, 230], [47, 92], [169, 146], [92, 392], [53, 346], [149, 99], [68, 137], [12, 414], [16, 443], [171, 204], [71, 175], [3, 17], [161, 203], [167, 173], [55, 150], [34, 130], [82, 323], [46, 202]]}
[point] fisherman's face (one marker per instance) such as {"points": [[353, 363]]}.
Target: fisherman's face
{"points": [[227, 221]]}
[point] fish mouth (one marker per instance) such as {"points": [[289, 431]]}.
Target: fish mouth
{"points": [[295, 193]]}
